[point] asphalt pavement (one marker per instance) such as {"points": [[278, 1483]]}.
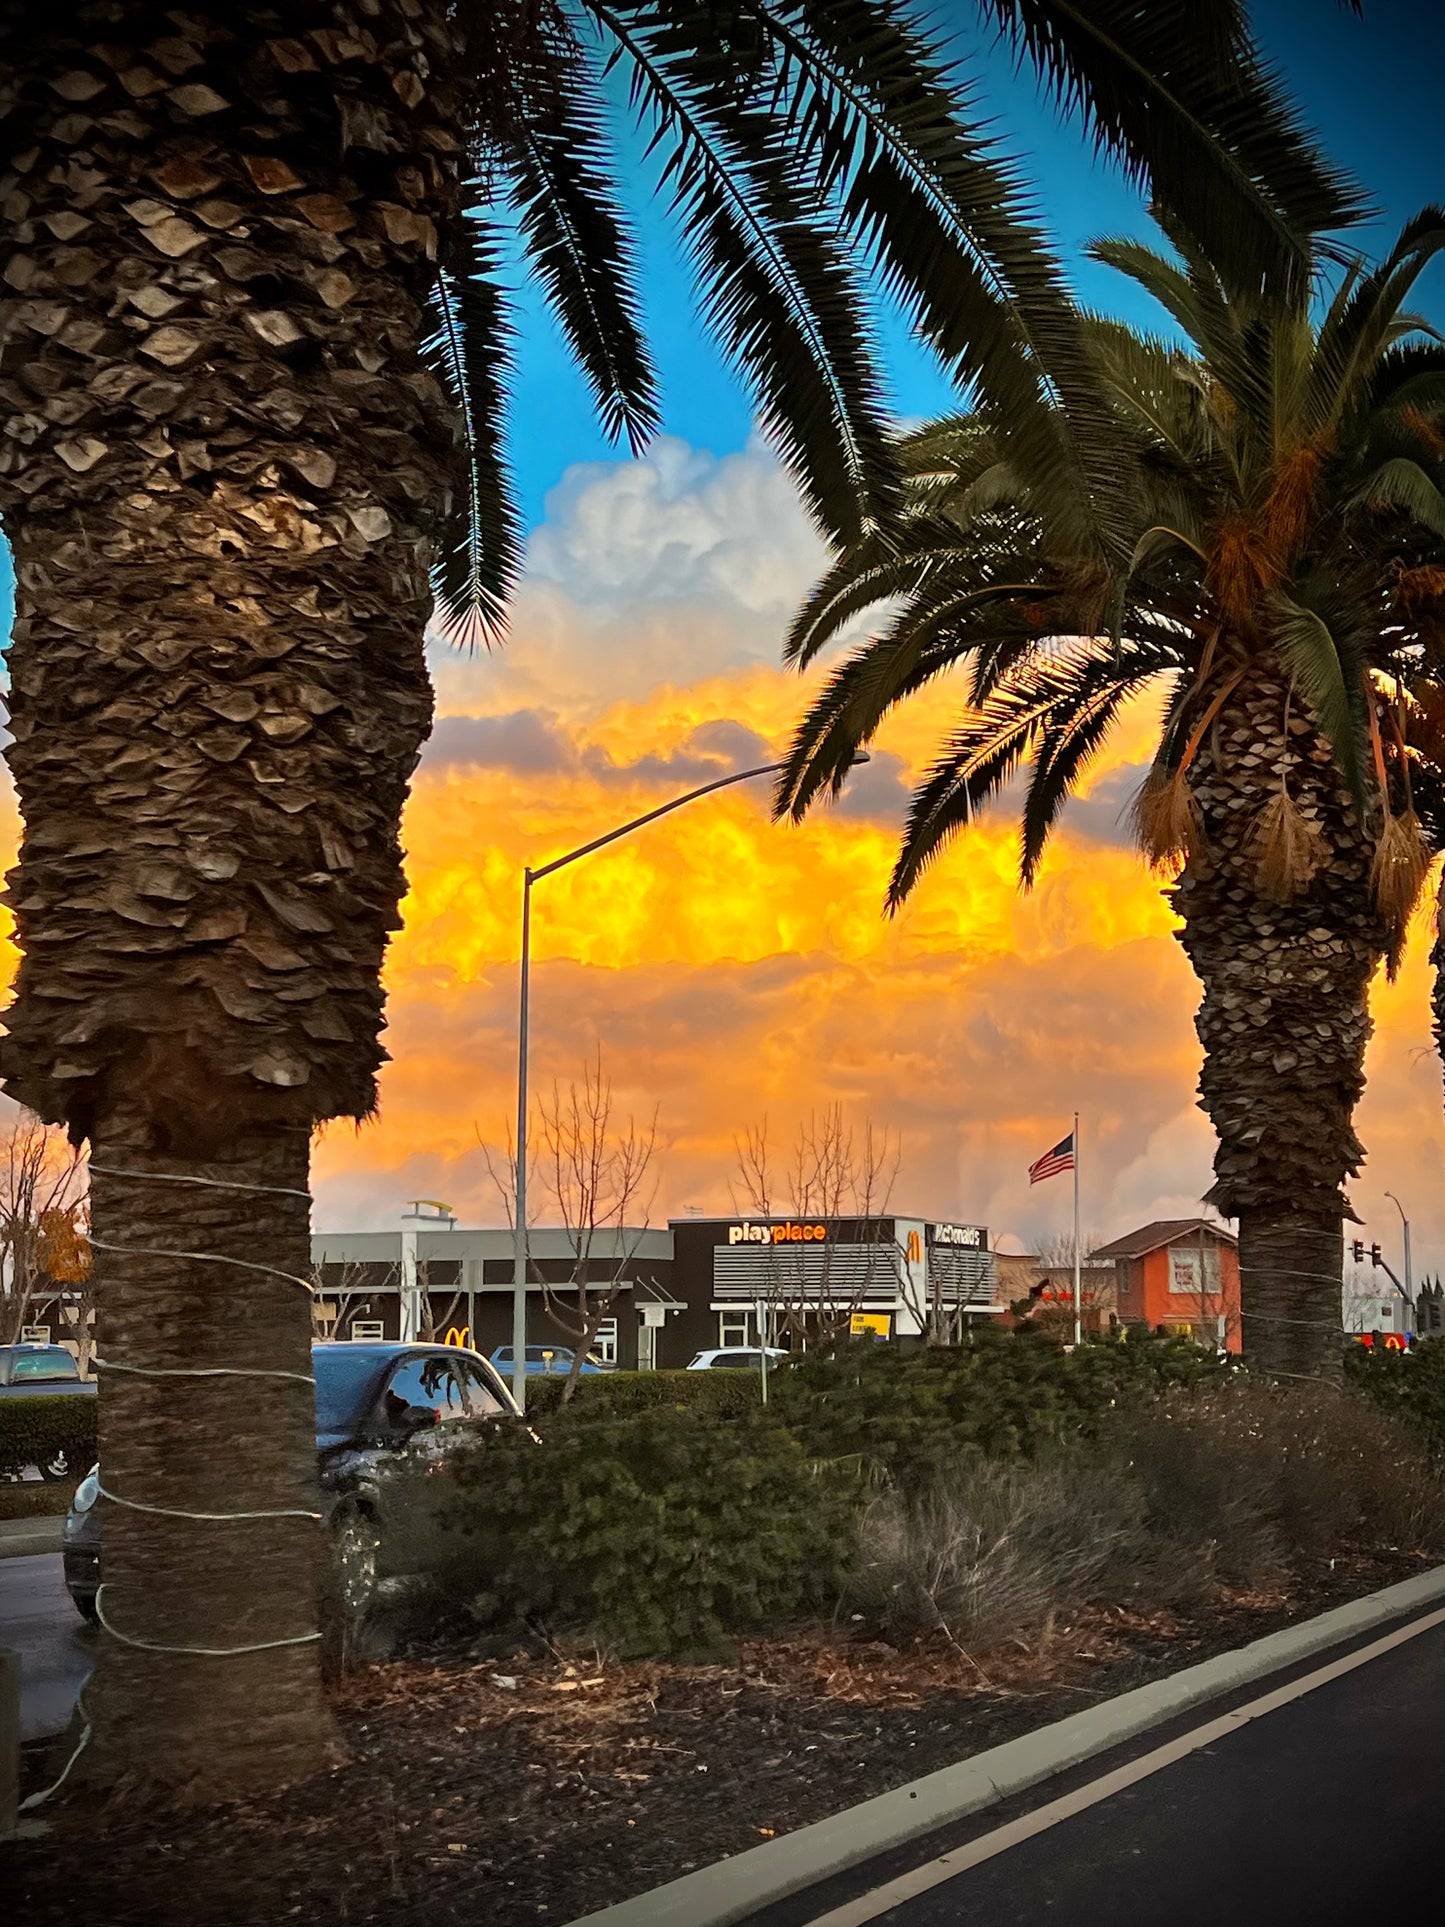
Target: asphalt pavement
{"points": [[1324, 1811], [56, 1646]]}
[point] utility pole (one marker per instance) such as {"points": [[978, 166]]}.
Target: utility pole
{"points": [[1078, 1259], [1409, 1272]]}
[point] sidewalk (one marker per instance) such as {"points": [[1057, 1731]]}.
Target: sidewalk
{"points": [[23, 1538]]}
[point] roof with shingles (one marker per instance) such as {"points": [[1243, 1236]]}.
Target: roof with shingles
{"points": [[1163, 1231]]}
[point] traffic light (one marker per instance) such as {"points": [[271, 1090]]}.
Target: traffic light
{"points": [[1377, 1257], [1357, 1251]]}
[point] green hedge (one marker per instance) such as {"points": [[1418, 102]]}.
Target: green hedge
{"points": [[33, 1430], [716, 1393], [658, 1530], [1005, 1394]]}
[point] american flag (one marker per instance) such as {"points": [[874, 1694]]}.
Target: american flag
{"points": [[1061, 1158]]}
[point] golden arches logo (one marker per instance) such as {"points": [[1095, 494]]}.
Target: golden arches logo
{"points": [[915, 1248], [459, 1336]]}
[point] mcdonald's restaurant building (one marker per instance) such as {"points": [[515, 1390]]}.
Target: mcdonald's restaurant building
{"points": [[696, 1284]]}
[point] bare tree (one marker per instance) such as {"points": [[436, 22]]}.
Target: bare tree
{"points": [[433, 1321], [336, 1283], [1052, 1288], [833, 1171], [42, 1185], [596, 1169]]}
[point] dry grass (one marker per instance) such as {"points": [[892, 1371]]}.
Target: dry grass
{"points": [[990, 1549], [1237, 1489]]}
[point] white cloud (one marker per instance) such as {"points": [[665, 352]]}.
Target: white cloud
{"points": [[679, 525], [665, 570]]}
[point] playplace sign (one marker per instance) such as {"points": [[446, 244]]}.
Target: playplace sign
{"points": [[787, 1233]]}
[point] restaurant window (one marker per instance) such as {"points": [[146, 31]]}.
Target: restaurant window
{"points": [[732, 1329], [605, 1342], [1192, 1270]]}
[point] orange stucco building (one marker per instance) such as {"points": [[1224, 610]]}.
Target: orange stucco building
{"points": [[1182, 1273]]}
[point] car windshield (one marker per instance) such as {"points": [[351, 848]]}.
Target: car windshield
{"points": [[345, 1380], [47, 1364]]}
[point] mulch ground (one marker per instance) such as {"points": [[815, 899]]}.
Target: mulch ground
{"points": [[534, 1790]]}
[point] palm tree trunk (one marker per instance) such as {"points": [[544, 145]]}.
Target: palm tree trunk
{"points": [[224, 463], [1284, 1019], [241, 1723]]}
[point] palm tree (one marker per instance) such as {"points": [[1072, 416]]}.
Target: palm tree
{"points": [[1269, 565], [256, 351]]}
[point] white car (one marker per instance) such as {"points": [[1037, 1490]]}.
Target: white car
{"points": [[737, 1358]]}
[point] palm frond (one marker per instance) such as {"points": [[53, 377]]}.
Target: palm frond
{"points": [[950, 616], [1063, 706], [777, 290], [578, 241], [1403, 484], [1357, 333], [480, 547], [953, 235], [1319, 646], [1178, 92]]}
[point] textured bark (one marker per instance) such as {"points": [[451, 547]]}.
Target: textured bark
{"points": [[222, 465], [178, 1724], [1284, 1019]]}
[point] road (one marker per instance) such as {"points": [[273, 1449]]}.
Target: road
{"points": [[56, 1647], [1321, 1811]]}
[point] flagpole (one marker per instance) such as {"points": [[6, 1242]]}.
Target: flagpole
{"points": [[1078, 1316]]}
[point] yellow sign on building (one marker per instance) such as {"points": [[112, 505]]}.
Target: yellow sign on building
{"points": [[870, 1324]]}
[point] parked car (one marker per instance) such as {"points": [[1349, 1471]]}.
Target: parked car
{"points": [[738, 1358], [44, 1371], [41, 1370], [374, 1403], [547, 1361]]}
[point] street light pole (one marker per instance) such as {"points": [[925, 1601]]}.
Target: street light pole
{"points": [[519, 1201], [519, 1183], [1409, 1274]]}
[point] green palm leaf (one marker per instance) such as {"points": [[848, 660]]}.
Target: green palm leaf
{"points": [[1177, 90], [479, 550], [579, 245]]}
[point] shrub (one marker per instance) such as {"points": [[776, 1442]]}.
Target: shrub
{"points": [[34, 1430], [989, 1549], [1260, 1477], [1410, 1385], [715, 1393], [1006, 1394], [660, 1530]]}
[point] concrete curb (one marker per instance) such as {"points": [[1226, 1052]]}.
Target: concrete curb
{"points": [[729, 1891], [22, 1538]]}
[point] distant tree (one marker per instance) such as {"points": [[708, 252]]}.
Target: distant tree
{"points": [[596, 1168], [42, 1242], [833, 1170]]}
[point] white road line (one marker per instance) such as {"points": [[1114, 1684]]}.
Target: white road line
{"points": [[868, 1907]]}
